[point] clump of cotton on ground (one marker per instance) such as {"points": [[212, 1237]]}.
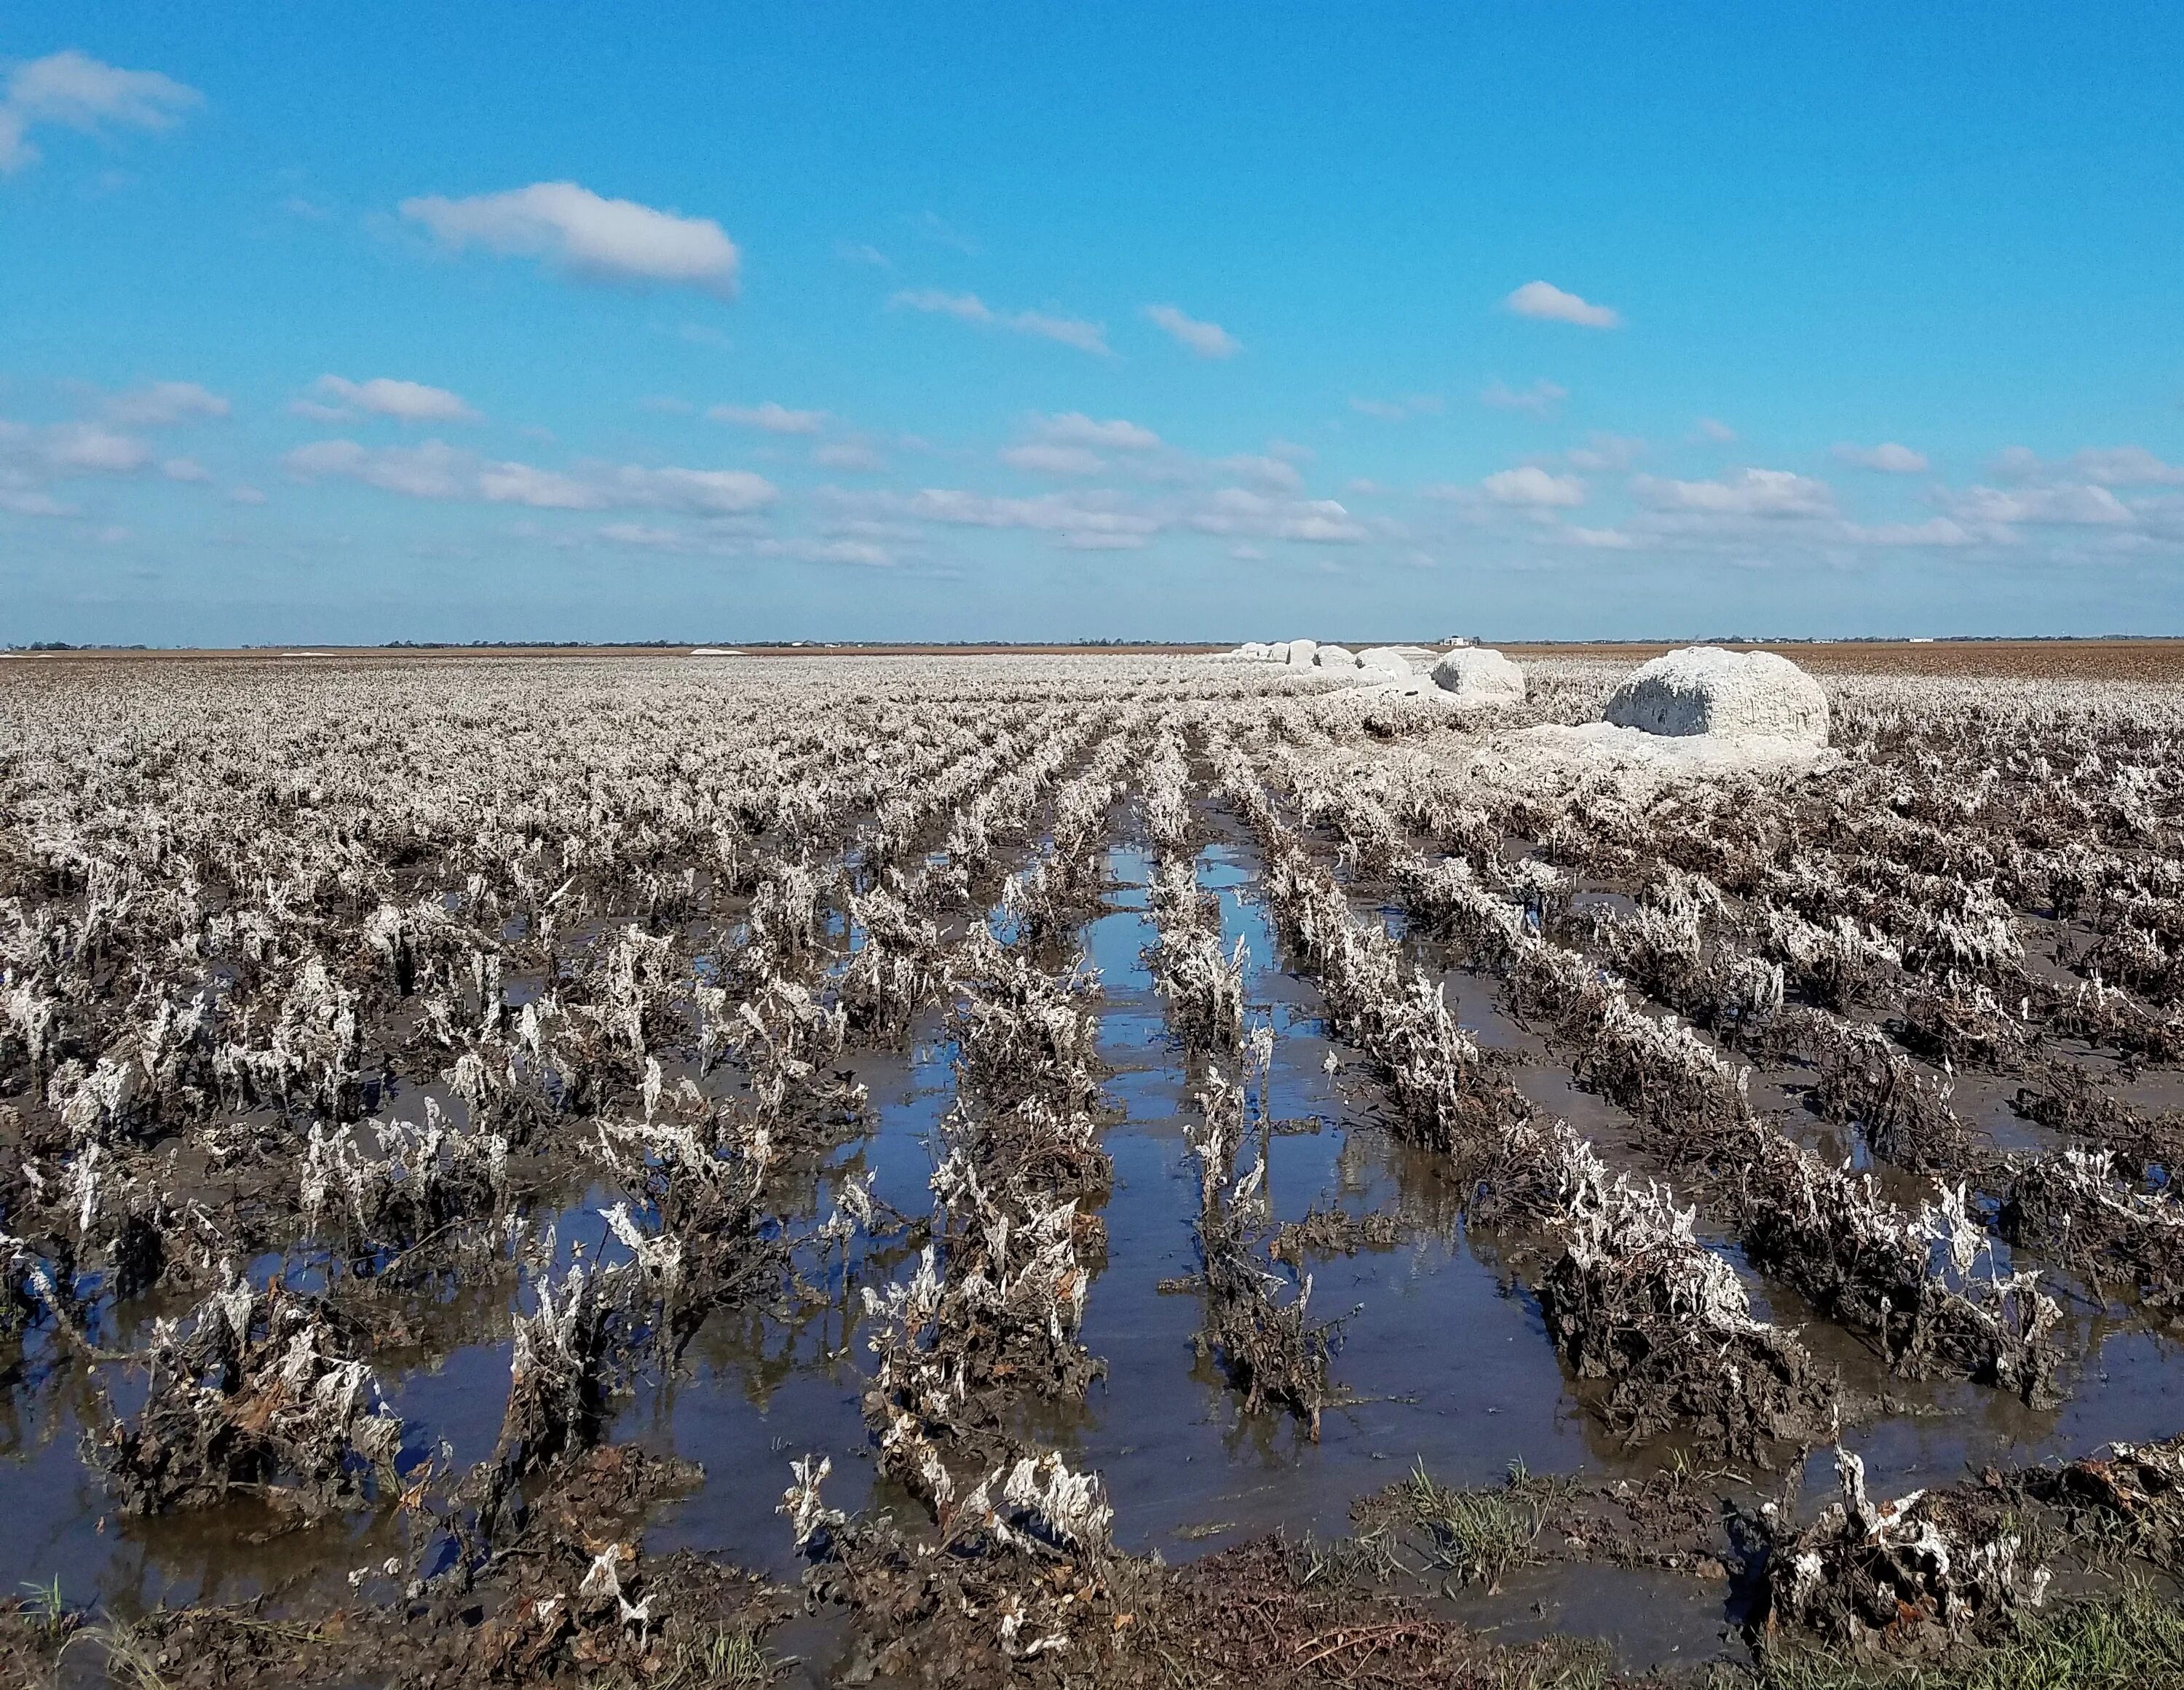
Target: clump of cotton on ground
{"points": [[1467, 676], [1705, 690], [1701, 710]]}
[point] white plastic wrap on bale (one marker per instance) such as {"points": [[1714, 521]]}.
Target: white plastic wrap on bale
{"points": [[1477, 674], [1278, 652], [1334, 657], [1300, 654], [1385, 663], [1703, 689]]}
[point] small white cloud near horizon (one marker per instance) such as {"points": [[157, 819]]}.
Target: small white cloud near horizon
{"points": [[968, 308], [1607, 452], [1550, 303], [2108, 466], [1397, 409], [162, 405], [1747, 492], [585, 236], [1528, 485], [1541, 399], [2067, 505], [1045, 457], [1263, 470], [1240, 511], [769, 417], [1713, 429], [1117, 434], [436, 471], [72, 90], [383, 396], [1887, 459], [847, 455], [1938, 530], [1205, 339]]}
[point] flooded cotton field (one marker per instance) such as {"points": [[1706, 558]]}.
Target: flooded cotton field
{"points": [[1082, 1170]]}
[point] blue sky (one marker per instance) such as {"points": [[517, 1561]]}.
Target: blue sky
{"points": [[1034, 322]]}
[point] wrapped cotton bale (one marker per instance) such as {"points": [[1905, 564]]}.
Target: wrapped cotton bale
{"points": [[1478, 674], [1300, 652], [1703, 689], [1252, 651], [1278, 652], [1334, 657], [1385, 663]]}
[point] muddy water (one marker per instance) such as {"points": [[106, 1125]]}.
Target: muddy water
{"points": [[1442, 1360]]}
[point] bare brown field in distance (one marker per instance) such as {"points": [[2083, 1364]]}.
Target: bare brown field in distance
{"points": [[2092, 660]]}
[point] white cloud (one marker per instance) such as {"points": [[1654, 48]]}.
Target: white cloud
{"points": [[1545, 300], [1208, 340], [939, 302], [1529, 484], [1888, 457], [436, 471], [585, 236], [245, 496], [1713, 429], [1266, 471], [1541, 399], [1396, 410], [645, 535], [968, 308], [1238, 510], [185, 470], [161, 404], [2069, 504], [1607, 452], [1074, 428], [25, 503], [857, 252], [861, 553], [1246, 552], [511, 483], [1748, 492], [1599, 539], [2125, 466], [1100, 541], [74, 91], [1937, 531], [773, 419], [409, 401], [845, 455], [86, 449], [2112, 466], [703, 492], [1052, 513], [1046, 458]]}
